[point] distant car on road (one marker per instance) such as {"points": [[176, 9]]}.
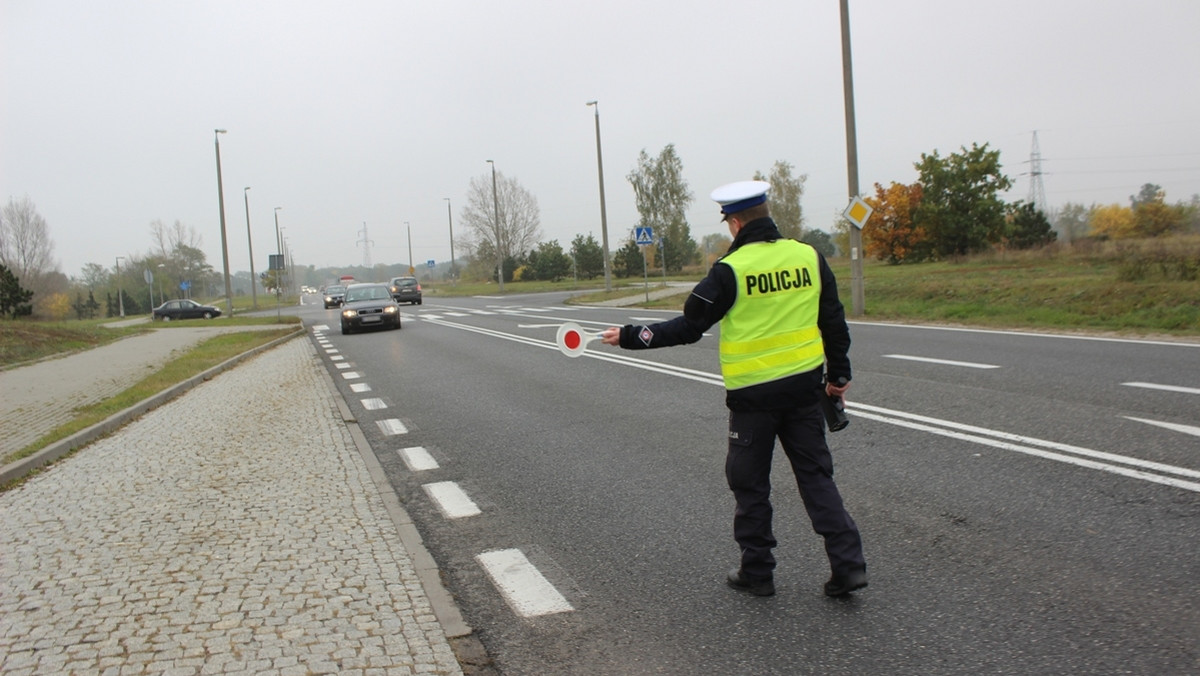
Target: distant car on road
{"points": [[184, 309], [369, 306], [334, 295], [406, 290]]}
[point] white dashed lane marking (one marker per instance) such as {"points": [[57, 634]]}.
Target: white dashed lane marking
{"points": [[947, 362], [521, 584], [1165, 388], [451, 500], [418, 459], [373, 404], [392, 426]]}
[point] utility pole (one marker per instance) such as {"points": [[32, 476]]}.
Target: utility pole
{"points": [[603, 213], [856, 255], [450, 220], [224, 243], [250, 241], [496, 216]]}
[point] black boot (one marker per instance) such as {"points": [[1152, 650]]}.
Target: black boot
{"points": [[757, 586], [840, 585]]}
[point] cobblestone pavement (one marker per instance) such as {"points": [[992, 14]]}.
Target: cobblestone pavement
{"points": [[35, 399], [234, 530]]}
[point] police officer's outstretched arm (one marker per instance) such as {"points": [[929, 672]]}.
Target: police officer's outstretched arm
{"points": [[708, 302]]}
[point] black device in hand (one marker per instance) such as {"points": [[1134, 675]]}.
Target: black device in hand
{"points": [[834, 409]]}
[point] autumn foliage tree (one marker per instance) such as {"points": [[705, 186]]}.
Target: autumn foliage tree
{"points": [[1112, 221], [890, 233]]}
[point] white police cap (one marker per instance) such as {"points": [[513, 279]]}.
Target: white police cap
{"points": [[735, 197]]}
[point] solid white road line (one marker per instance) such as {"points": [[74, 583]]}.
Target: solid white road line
{"points": [[1165, 388], [418, 459], [1175, 427], [521, 584], [451, 500], [948, 362], [894, 417]]}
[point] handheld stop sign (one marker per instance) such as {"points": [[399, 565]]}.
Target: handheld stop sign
{"points": [[572, 339]]}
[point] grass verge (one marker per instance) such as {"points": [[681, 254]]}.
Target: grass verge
{"points": [[25, 341], [202, 357]]}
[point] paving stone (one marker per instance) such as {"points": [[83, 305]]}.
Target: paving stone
{"points": [[240, 514]]}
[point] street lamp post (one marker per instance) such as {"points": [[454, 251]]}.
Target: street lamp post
{"points": [[278, 253], [411, 269], [450, 220], [120, 298], [603, 214], [162, 296], [221, 203], [250, 242], [496, 221]]}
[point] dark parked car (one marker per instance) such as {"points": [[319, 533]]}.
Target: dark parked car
{"points": [[406, 290], [185, 309], [334, 295], [369, 306]]}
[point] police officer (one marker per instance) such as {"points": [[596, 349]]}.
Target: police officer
{"points": [[783, 337]]}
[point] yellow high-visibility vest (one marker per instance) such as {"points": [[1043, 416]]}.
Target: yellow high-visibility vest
{"points": [[771, 330]]}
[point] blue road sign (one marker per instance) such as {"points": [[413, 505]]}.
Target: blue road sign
{"points": [[644, 235], [430, 263]]}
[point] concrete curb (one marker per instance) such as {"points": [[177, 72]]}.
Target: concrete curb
{"points": [[58, 449]]}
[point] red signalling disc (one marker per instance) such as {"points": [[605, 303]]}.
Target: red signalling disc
{"points": [[572, 339]]}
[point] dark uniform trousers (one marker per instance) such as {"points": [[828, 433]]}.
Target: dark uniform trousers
{"points": [[801, 432]]}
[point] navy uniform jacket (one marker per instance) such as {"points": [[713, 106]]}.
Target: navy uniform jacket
{"points": [[713, 297]]}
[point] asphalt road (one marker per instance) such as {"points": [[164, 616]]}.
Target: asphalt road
{"points": [[1024, 508]]}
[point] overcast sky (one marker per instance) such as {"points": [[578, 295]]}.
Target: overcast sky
{"points": [[353, 112]]}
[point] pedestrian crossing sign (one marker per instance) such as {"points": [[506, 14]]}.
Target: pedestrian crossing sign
{"points": [[644, 235]]}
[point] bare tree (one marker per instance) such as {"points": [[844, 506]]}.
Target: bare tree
{"points": [[786, 192], [519, 228], [25, 244]]}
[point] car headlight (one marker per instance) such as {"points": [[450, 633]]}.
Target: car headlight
{"points": [[328, 299], [349, 314], [390, 310]]}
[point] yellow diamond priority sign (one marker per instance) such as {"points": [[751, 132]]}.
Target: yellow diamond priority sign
{"points": [[858, 212]]}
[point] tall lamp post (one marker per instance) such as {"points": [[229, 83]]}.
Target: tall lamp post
{"points": [[450, 220], [283, 260], [224, 242], [120, 296], [496, 216], [250, 242], [278, 252], [411, 269], [603, 214]]}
